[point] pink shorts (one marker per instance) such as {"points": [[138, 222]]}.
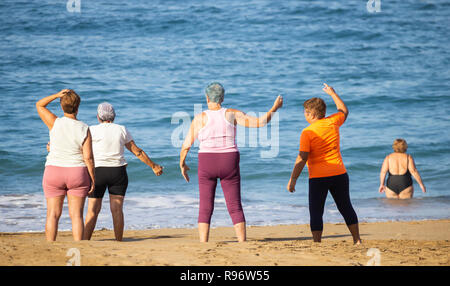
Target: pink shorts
{"points": [[58, 181]]}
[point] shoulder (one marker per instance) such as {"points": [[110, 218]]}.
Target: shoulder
{"points": [[337, 118], [307, 132], [200, 118], [307, 128], [337, 115], [121, 128], [94, 127], [234, 111], [82, 124]]}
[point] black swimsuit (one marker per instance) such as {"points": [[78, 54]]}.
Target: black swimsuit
{"points": [[398, 183]]}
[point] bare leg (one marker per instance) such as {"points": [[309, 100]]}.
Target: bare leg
{"points": [[317, 235], [240, 231], [407, 193], [76, 206], [354, 230], [54, 210], [203, 231], [390, 194], [116, 205], [94, 207]]}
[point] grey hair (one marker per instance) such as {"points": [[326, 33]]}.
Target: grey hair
{"points": [[215, 92], [105, 112]]}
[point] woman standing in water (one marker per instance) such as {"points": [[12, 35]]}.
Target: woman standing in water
{"points": [[69, 169], [320, 150], [218, 157], [400, 167]]}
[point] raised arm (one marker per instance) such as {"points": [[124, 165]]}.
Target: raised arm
{"points": [[413, 170], [46, 115], [384, 170], [138, 152], [88, 157], [300, 162], [245, 120], [337, 100]]}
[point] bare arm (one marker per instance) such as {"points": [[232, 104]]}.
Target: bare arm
{"points": [[337, 100], [300, 162], [384, 170], [46, 115], [138, 152], [88, 157], [255, 122], [195, 127], [413, 170]]}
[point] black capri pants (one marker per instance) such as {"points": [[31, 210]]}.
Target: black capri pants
{"points": [[339, 189]]}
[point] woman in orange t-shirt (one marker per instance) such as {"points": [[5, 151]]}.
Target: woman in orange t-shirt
{"points": [[320, 150]]}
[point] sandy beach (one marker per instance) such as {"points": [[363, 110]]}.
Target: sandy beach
{"points": [[399, 243]]}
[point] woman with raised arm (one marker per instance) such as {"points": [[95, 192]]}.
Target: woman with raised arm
{"points": [[218, 157], [400, 167], [320, 150], [109, 141], [69, 169]]}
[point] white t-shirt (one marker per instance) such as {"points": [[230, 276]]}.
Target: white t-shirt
{"points": [[108, 141], [66, 142]]}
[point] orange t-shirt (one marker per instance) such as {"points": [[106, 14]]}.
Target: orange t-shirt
{"points": [[321, 140]]}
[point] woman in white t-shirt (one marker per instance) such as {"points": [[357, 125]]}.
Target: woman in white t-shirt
{"points": [[69, 169], [108, 142]]}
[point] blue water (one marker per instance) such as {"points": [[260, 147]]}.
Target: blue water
{"points": [[152, 59]]}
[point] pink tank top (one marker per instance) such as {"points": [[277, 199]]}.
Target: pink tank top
{"points": [[218, 135]]}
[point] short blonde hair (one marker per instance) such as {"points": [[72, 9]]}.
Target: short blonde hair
{"points": [[70, 102], [316, 106], [400, 145]]}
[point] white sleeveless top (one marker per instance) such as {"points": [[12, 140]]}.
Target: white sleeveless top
{"points": [[66, 141], [218, 135]]}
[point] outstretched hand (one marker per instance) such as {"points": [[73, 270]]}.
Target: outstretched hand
{"points": [[184, 170], [328, 89], [158, 170], [278, 102]]}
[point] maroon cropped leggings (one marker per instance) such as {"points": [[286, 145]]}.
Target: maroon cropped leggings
{"points": [[223, 166]]}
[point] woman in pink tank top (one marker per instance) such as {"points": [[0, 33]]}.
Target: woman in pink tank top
{"points": [[218, 157]]}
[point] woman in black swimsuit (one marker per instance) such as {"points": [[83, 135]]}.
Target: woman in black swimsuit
{"points": [[400, 167]]}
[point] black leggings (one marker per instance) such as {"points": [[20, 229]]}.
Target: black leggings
{"points": [[339, 189]]}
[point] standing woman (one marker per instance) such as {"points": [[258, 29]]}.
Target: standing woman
{"points": [[109, 141], [69, 168], [320, 150], [400, 167], [218, 157]]}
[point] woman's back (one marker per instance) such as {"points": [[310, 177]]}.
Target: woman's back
{"points": [[218, 135], [108, 140], [398, 163], [66, 140]]}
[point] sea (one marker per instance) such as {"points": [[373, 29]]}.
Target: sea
{"points": [[388, 60]]}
